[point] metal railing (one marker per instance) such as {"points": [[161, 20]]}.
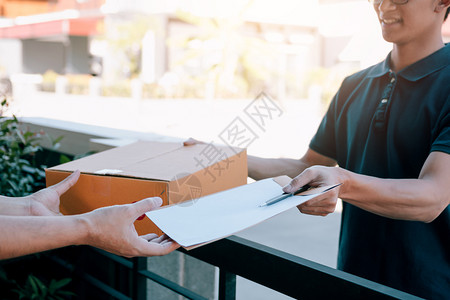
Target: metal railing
{"points": [[288, 274]]}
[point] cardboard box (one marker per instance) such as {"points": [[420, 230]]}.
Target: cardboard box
{"points": [[144, 169]]}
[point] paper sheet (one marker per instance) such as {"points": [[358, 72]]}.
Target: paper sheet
{"points": [[222, 214]]}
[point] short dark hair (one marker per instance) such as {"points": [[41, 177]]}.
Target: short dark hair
{"points": [[446, 13]]}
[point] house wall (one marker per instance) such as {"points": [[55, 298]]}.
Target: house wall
{"points": [[40, 56], [78, 56], [10, 56]]}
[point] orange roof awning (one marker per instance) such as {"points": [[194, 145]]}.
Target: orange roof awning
{"points": [[79, 27]]}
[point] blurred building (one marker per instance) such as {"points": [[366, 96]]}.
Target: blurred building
{"points": [[39, 35], [63, 36]]}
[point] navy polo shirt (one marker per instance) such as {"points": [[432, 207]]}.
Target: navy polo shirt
{"points": [[386, 124]]}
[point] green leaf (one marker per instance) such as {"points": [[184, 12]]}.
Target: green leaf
{"points": [[28, 135], [51, 287], [43, 288], [84, 154], [32, 282], [57, 140], [13, 185], [19, 134], [59, 284], [20, 293], [64, 159]]}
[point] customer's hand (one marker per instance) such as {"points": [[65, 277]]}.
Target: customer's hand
{"points": [[317, 176], [46, 201], [111, 229]]}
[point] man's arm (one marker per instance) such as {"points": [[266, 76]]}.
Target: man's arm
{"points": [[14, 206], [260, 168], [422, 199], [110, 228]]}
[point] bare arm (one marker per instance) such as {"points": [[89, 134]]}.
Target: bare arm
{"points": [[260, 168], [14, 206], [422, 199], [23, 235], [110, 228], [33, 224]]}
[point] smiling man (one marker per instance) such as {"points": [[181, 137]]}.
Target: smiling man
{"points": [[386, 137]]}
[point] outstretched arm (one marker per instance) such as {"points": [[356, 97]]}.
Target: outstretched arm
{"points": [[260, 168], [421, 199], [109, 228]]}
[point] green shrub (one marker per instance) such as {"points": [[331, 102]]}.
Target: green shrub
{"points": [[19, 174]]}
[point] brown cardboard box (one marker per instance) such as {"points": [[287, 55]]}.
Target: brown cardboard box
{"points": [[146, 169]]}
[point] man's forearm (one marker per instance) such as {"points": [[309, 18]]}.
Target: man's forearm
{"points": [[25, 235], [14, 206], [405, 199], [261, 168]]}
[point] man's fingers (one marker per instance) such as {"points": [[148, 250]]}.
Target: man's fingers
{"points": [[143, 206], [154, 238], [296, 183], [321, 208], [67, 183], [156, 249], [314, 212], [149, 237]]}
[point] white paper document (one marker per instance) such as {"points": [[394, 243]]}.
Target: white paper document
{"points": [[222, 214]]}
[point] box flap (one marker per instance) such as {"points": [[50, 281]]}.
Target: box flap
{"points": [[189, 159], [152, 160], [114, 161]]}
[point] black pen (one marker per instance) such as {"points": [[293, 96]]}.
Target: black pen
{"points": [[285, 195]]}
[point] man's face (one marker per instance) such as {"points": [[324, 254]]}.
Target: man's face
{"points": [[415, 21]]}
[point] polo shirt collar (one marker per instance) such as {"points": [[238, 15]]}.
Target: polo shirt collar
{"points": [[417, 70], [381, 68]]}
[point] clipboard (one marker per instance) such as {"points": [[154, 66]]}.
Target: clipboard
{"points": [[204, 220]]}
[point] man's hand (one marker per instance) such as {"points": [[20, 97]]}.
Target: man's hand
{"points": [[111, 229], [317, 176], [46, 201]]}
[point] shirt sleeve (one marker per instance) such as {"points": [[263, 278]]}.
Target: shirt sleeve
{"points": [[324, 141], [442, 131]]}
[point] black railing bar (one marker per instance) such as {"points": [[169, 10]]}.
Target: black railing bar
{"points": [[152, 276], [90, 279], [104, 287], [227, 285], [289, 274], [118, 259], [25, 258], [171, 285]]}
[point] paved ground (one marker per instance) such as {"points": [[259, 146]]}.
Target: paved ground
{"points": [[313, 238]]}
